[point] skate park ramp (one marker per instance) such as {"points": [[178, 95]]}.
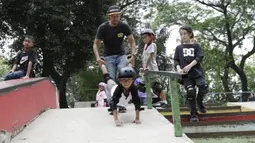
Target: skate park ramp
{"points": [[30, 116], [95, 125]]}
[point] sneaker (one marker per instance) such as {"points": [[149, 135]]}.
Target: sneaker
{"points": [[122, 109], [194, 118], [109, 109], [202, 108], [164, 105]]}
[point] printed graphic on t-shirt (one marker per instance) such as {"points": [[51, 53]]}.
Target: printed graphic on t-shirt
{"points": [[124, 100], [23, 59], [120, 35], [188, 52]]}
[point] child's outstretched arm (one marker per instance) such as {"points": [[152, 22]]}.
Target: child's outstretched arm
{"points": [[115, 100], [14, 68], [137, 102], [29, 69]]}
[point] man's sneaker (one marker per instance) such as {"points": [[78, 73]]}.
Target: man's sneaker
{"points": [[202, 108], [194, 118]]}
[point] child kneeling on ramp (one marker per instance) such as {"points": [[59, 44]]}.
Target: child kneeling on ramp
{"points": [[123, 93]]}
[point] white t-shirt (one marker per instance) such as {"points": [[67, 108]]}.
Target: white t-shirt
{"points": [[123, 101], [152, 48], [101, 96]]}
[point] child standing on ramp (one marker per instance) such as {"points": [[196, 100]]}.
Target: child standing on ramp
{"points": [[187, 59], [123, 93], [149, 63]]}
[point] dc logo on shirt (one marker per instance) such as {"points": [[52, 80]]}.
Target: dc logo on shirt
{"points": [[189, 52]]}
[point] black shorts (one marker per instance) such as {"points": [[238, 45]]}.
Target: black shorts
{"points": [[194, 81]]}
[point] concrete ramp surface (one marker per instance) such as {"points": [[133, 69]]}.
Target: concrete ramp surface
{"points": [[95, 125]]}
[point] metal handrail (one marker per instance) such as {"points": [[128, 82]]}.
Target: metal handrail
{"points": [[172, 79]]}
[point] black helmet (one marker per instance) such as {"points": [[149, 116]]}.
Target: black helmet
{"points": [[148, 31], [189, 29], [127, 72]]}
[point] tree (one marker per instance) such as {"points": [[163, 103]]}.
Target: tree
{"points": [[225, 23], [64, 31]]}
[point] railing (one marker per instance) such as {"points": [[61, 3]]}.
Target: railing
{"points": [[172, 80], [237, 95]]}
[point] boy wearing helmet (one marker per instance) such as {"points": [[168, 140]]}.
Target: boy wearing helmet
{"points": [[149, 63], [122, 93], [187, 59]]}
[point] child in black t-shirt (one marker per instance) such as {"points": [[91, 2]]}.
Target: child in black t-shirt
{"points": [[122, 93], [187, 59], [23, 67]]}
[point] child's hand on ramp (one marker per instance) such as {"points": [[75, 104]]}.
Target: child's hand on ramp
{"points": [[137, 122], [118, 122]]}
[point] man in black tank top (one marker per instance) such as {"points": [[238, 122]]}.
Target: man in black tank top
{"points": [[112, 33]]}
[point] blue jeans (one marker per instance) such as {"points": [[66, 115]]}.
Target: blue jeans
{"points": [[115, 62], [14, 75]]}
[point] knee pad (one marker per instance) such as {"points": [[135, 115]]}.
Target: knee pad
{"points": [[191, 92], [202, 90], [157, 87], [141, 87]]}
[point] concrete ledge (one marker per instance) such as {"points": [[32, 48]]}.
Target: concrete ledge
{"points": [[245, 106], [10, 85], [83, 104], [21, 101]]}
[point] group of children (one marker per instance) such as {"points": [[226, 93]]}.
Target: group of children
{"points": [[187, 59], [130, 88]]}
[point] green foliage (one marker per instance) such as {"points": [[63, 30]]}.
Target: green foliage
{"points": [[221, 26], [64, 32], [250, 72], [4, 68], [83, 85]]}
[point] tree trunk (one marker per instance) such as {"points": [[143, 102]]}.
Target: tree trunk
{"points": [[63, 100], [224, 78], [243, 78]]}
